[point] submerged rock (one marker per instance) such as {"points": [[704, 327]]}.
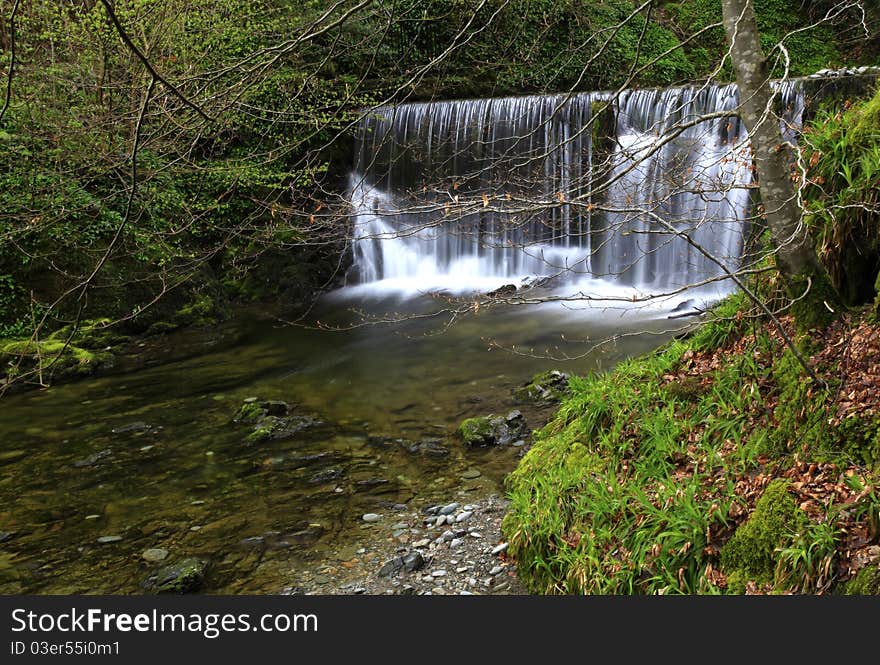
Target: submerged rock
{"points": [[131, 427], [185, 576], [155, 555], [545, 387]]}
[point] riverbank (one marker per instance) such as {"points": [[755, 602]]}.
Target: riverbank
{"points": [[408, 551], [713, 465]]}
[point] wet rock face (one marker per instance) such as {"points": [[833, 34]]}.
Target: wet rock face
{"points": [[493, 430], [185, 576], [544, 388]]}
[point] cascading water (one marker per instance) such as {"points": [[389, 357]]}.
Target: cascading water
{"points": [[589, 188]]}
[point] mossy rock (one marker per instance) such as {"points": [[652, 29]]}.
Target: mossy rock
{"points": [[492, 430], [185, 576], [865, 583], [477, 431], [250, 413], [751, 554], [546, 387]]}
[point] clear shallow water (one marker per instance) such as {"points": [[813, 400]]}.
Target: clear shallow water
{"points": [[189, 483]]}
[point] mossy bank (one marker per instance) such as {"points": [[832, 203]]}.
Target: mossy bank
{"points": [[713, 465]]}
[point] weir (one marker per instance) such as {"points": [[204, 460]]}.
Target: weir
{"points": [[592, 189]]}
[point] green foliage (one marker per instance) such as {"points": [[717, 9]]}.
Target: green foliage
{"points": [[842, 154]]}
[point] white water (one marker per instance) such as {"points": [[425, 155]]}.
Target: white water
{"points": [[470, 195]]}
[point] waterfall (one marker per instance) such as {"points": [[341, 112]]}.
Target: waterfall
{"points": [[584, 188]]}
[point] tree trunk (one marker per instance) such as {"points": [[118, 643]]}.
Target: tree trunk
{"points": [[795, 255]]}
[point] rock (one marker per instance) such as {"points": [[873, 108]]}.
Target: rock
{"points": [[546, 387], [424, 542], [470, 474], [185, 576], [109, 539], [432, 510], [496, 570], [137, 426], [370, 517], [455, 543], [413, 561], [276, 408], [250, 400], [93, 459], [446, 536], [463, 516], [498, 549], [391, 566], [492, 430], [503, 291], [438, 573], [154, 555], [449, 509]]}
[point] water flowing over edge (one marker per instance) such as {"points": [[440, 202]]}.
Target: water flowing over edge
{"points": [[603, 199]]}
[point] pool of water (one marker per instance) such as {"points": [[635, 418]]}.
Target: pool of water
{"points": [[150, 453]]}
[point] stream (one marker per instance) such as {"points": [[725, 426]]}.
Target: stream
{"points": [[94, 473]]}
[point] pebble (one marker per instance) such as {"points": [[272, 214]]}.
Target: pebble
{"points": [[475, 534], [447, 536], [109, 539], [421, 543], [92, 517], [250, 400], [438, 573], [463, 516], [449, 508], [470, 474], [455, 543], [496, 570], [498, 549], [370, 517], [155, 554]]}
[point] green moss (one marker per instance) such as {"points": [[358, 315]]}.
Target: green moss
{"points": [[752, 552], [859, 440], [202, 311], [477, 431], [820, 306], [183, 577], [865, 583], [161, 327], [250, 413]]}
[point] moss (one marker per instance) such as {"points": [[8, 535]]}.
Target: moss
{"points": [[859, 439], [161, 327], [202, 311], [865, 583], [477, 431], [751, 554], [250, 413], [821, 304], [183, 577], [799, 412]]}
